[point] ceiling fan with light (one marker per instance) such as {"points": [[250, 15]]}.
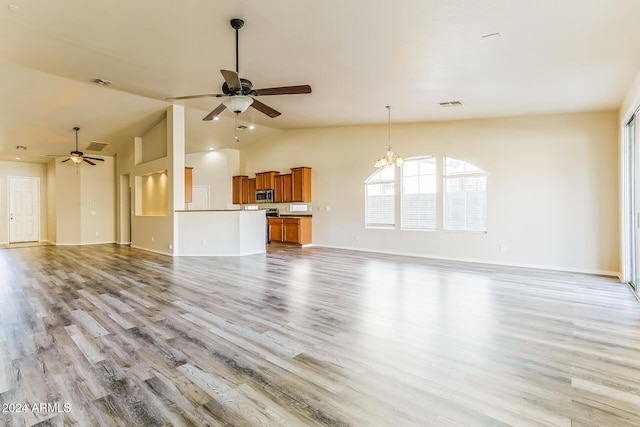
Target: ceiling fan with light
{"points": [[238, 94], [77, 156]]}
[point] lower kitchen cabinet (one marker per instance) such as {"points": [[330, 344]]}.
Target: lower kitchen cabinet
{"points": [[295, 230]]}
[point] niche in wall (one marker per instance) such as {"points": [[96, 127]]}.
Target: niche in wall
{"points": [[152, 194]]}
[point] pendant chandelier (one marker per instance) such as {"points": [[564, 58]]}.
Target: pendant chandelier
{"points": [[390, 158]]}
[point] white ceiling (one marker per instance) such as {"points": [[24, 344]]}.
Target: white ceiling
{"points": [[358, 56]]}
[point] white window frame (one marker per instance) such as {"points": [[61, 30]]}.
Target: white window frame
{"points": [[474, 172], [427, 224], [371, 182]]}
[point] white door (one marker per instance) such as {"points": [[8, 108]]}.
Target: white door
{"points": [[200, 198], [24, 209]]}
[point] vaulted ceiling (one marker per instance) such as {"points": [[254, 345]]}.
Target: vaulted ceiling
{"points": [[498, 57]]}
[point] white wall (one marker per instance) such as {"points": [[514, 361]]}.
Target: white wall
{"points": [[221, 233], [214, 169], [155, 233], [84, 208], [8, 169], [552, 189], [98, 202]]}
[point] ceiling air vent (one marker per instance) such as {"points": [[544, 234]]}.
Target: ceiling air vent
{"points": [[451, 104], [101, 81], [96, 146]]}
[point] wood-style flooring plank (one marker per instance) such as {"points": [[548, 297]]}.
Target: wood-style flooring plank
{"points": [[310, 337]]}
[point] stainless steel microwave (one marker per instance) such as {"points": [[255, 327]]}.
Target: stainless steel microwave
{"points": [[264, 196]]}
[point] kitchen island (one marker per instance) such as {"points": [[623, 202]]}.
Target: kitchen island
{"points": [[220, 232]]}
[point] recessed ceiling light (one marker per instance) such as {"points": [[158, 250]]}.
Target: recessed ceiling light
{"points": [[210, 148], [216, 118], [18, 158], [252, 127]]}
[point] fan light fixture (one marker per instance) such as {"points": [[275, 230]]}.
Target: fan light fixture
{"points": [[76, 158], [390, 158], [237, 103]]}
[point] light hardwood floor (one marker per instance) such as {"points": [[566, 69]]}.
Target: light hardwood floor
{"points": [[303, 337]]}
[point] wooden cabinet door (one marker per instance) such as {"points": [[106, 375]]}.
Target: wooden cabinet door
{"points": [[188, 184], [278, 195], [291, 231], [287, 188], [266, 180], [251, 198], [275, 229], [239, 189], [245, 190], [301, 184], [259, 181], [269, 180]]}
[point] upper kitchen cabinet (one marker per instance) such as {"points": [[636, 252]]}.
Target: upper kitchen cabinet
{"points": [[266, 180], [188, 184], [253, 186], [240, 189], [283, 190], [301, 184]]}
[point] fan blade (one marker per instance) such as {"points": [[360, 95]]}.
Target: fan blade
{"points": [[232, 79], [206, 95], [66, 160], [284, 90], [215, 112], [264, 108], [88, 161], [94, 158]]}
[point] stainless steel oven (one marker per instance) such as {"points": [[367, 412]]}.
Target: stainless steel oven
{"points": [[271, 213]]}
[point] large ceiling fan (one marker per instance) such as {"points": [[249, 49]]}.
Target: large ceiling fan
{"points": [[77, 156], [238, 94]]}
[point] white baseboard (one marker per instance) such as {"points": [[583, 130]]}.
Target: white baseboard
{"points": [[152, 250], [84, 244], [487, 262]]}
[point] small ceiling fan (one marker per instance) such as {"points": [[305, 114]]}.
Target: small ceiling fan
{"points": [[78, 157], [238, 94]]}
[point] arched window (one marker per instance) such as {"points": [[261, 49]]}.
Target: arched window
{"points": [[418, 202], [380, 199], [465, 196]]}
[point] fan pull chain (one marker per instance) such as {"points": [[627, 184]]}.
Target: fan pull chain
{"points": [[236, 126]]}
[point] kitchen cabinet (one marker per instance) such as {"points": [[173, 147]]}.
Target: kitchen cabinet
{"points": [[266, 180], [291, 187], [277, 191], [240, 189], [287, 189], [296, 230], [275, 229], [251, 197], [282, 191], [188, 184], [301, 184]]}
